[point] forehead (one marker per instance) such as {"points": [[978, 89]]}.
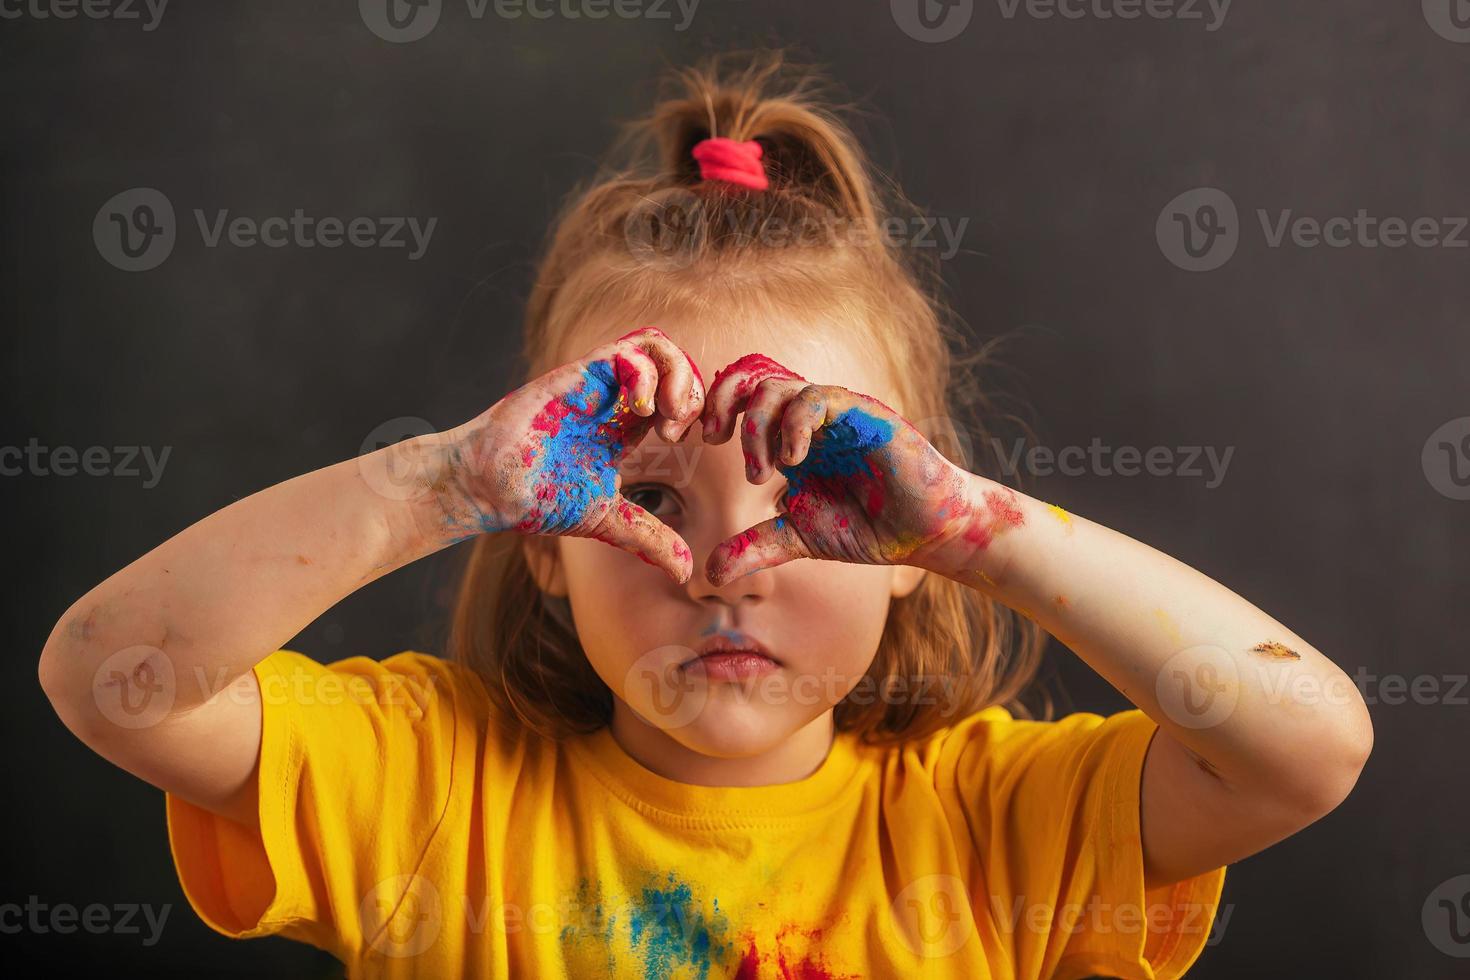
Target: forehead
{"points": [[823, 354]]}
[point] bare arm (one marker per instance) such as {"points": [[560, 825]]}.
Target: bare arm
{"points": [[180, 629], [1259, 733], [153, 668]]}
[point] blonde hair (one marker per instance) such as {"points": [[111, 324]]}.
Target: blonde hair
{"points": [[650, 238]]}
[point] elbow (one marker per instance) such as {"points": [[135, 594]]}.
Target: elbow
{"points": [[1336, 760], [56, 673]]}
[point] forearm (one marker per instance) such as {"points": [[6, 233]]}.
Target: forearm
{"points": [[219, 596], [1250, 698]]}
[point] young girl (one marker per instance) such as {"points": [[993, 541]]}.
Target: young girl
{"points": [[729, 674]]}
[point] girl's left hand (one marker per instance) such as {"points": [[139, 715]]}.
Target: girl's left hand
{"points": [[864, 485]]}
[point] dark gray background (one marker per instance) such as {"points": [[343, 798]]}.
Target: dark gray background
{"points": [[1060, 140]]}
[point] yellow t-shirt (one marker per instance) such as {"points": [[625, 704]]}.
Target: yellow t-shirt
{"points": [[399, 833]]}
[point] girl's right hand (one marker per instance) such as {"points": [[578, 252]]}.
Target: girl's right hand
{"points": [[544, 459]]}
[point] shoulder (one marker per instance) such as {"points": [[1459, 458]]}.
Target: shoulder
{"points": [[408, 682], [993, 744]]}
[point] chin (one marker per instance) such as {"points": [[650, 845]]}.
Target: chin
{"points": [[734, 731]]}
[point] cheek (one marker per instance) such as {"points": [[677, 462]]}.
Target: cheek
{"points": [[842, 610], [614, 603]]}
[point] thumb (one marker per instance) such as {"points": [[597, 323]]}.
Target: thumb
{"points": [[769, 543], [633, 529]]}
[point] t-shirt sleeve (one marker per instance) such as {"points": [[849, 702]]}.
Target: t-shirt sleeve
{"points": [[1053, 809], [356, 763]]}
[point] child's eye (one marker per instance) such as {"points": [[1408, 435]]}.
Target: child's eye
{"points": [[651, 497]]}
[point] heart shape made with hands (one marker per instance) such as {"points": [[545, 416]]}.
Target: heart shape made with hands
{"points": [[863, 485]]}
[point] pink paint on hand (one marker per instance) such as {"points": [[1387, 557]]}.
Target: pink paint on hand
{"points": [[756, 368], [742, 541], [625, 371]]}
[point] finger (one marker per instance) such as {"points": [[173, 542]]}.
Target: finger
{"points": [[637, 372], [731, 390], [769, 543], [679, 397], [763, 413], [635, 530], [808, 411]]}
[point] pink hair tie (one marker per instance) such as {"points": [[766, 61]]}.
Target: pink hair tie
{"points": [[721, 158]]}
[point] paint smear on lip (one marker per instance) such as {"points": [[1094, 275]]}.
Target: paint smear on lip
{"points": [[1272, 650]]}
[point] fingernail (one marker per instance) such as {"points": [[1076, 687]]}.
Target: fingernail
{"points": [[709, 427]]}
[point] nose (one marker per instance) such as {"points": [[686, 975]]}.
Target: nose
{"points": [[722, 504], [749, 588]]}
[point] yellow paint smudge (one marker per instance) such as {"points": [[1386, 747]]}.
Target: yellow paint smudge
{"points": [[1061, 515], [1170, 627], [985, 578]]}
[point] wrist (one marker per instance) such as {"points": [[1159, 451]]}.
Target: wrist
{"points": [[978, 549], [435, 485]]}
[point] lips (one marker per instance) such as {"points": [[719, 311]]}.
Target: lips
{"points": [[731, 655]]}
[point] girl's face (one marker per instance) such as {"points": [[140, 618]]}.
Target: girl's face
{"points": [[820, 621]]}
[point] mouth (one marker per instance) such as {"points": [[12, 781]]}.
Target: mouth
{"points": [[731, 655]]}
